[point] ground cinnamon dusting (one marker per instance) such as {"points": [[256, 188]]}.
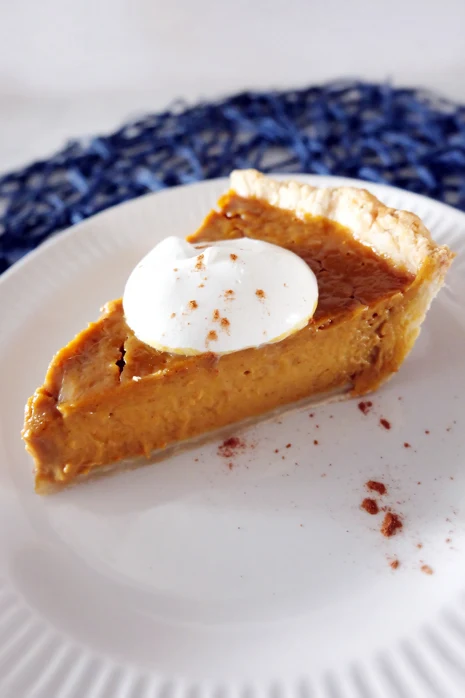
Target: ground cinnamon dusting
{"points": [[260, 294], [394, 564], [200, 266], [212, 336], [365, 407], [216, 315], [193, 305], [315, 442], [173, 315], [407, 445], [391, 524], [426, 569], [229, 294], [230, 447], [384, 423], [370, 506], [225, 323], [375, 486], [233, 256]]}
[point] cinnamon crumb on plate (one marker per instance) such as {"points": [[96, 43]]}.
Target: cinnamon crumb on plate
{"points": [[370, 506], [376, 486], [391, 524]]}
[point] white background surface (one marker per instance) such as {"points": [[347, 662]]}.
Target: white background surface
{"points": [[71, 68]]}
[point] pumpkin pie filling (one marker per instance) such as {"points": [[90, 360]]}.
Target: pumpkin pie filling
{"points": [[108, 397]]}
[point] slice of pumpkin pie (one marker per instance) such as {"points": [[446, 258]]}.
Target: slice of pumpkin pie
{"points": [[286, 294]]}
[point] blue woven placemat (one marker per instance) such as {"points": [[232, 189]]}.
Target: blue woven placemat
{"points": [[405, 137]]}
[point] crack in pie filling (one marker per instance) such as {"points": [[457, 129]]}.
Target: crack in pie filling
{"points": [[287, 294]]}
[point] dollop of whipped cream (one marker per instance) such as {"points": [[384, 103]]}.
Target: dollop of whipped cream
{"points": [[220, 297]]}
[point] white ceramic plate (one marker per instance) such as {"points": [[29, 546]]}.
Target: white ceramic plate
{"points": [[191, 579]]}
